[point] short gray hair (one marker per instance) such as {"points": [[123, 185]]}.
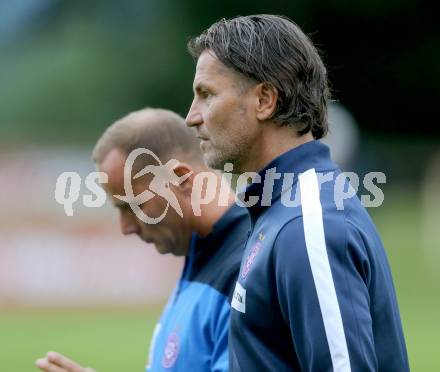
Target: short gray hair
{"points": [[161, 131], [274, 50]]}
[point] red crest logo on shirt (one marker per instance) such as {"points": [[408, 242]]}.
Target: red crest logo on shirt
{"points": [[171, 351], [250, 259]]}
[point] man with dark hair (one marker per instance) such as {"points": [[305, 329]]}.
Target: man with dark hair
{"points": [[315, 291], [192, 333]]}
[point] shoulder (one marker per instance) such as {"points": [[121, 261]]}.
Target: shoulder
{"points": [[289, 247], [321, 231], [302, 245], [218, 263], [228, 261]]}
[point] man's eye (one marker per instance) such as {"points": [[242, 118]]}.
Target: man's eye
{"points": [[124, 207], [205, 94]]}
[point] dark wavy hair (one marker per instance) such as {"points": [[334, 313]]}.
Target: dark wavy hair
{"points": [[273, 49]]}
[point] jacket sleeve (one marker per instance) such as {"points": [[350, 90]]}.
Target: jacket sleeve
{"points": [[220, 329], [322, 290]]}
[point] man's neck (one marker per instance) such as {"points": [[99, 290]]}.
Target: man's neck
{"points": [[213, 211], [274, 142]]}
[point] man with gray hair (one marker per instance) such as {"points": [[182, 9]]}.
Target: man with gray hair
{"points": [[192, 333], [315, 291]]}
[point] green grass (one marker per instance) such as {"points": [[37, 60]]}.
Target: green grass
{"points": [[117, 340], [108, 340], [416, 276]]}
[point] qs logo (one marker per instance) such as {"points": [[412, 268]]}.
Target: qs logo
{"points": [[160, 185]]}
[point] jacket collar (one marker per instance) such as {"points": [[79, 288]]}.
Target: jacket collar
{"points": [[313, 154]]}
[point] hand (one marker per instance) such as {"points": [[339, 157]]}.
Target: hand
{"points": [[55, 362]]}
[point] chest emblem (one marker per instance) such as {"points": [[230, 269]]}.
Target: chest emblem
{"points": [[250, 259], [171, 351]]}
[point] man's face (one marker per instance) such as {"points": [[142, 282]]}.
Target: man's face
{"points": [[223, 112], [170, 235]]}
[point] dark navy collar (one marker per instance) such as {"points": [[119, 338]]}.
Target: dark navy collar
{"points": [[313, 154], [220, 228], [203, 248]]}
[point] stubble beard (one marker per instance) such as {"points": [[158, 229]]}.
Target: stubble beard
{"points": [[216, 159]]}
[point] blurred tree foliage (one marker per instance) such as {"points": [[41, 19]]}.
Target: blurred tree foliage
{"points": [[69, 69]]}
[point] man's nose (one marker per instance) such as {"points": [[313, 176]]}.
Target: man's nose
{"points": [[194, 117], [129, 225]]}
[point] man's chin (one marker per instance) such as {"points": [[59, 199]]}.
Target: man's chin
{"points": [[213, 161], [161, 249]]}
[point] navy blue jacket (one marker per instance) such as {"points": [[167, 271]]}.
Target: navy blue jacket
{"points": [[192, 334], [315, 291]]}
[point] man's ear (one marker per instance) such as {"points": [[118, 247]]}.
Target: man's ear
{"points": [[267, 97], [186, 175]]}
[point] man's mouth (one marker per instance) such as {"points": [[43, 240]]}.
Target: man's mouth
{"points": [[202, 138], [147, 240]]}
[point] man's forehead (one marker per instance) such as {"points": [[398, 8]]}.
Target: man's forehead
{"points": [[209, 64], [211, 72], [113, 164]]}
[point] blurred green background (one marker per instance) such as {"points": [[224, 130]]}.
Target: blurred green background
{"points": [[117, 339], [69, 69]]}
